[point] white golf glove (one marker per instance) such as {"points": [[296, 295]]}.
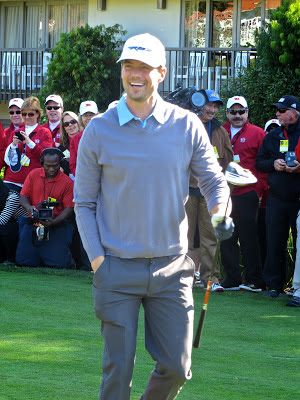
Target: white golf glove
{"points": [[224, 226]]}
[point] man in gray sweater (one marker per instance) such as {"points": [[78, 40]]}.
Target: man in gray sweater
{"points": [[132, 182]]}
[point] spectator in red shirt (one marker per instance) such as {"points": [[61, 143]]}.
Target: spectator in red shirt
{"points": [[54, 108], [3, 144], [87, 110], [246, 140], [15, 115], [25, 145], [46, 241]]}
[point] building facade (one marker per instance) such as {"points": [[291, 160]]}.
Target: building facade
{"points": [[28, 29]]}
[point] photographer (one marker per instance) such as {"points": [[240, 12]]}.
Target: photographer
{"points": [[45, 240]]}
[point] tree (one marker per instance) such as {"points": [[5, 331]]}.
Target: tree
{"points": [[84, 67], [276, 70]]}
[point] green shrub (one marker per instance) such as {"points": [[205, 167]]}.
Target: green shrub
{"points": [[83, 67]]}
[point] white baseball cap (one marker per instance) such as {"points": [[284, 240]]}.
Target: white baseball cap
{"points": [[16, 102], [236, 100], [88, 106], [56, 98], [272, 121], [145, 48]]}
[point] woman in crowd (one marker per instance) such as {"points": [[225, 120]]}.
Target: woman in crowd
{"points": [[69, 127], [10, 211], [25, 145], [87, 110]]}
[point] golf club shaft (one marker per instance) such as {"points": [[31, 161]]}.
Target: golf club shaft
{"points": [[196, 343]]}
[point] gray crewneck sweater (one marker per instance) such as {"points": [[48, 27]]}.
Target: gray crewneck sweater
{"points": [[132, 183]]}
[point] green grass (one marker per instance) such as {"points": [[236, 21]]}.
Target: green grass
{"points": [[51, 348]]}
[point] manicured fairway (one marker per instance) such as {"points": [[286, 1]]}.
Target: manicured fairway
{"points": [[50, 343]]}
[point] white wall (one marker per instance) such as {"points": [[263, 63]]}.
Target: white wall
{"points": [[140, 16]]}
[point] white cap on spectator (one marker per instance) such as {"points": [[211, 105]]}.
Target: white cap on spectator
{"points": [[56, 98], [272, 121], [145, 48], [236, 100], [16, 102], [88, 106]]}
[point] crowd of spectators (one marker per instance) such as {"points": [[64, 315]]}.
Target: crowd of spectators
{"points": [[37, 222], [39, 166]]}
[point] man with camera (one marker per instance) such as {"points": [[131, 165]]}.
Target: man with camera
{"points": [[47, 196], [196, 207], [277, 158]]}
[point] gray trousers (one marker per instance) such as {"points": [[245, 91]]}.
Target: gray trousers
{"points": [[163, 286]]}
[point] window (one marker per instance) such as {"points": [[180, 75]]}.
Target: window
{"points": [[213, 17], [38, 24], [222, 23]]}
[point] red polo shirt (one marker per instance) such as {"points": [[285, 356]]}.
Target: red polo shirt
{"points": [[38, 188]]}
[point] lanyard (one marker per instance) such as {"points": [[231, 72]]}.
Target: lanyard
{"points": [[285, 133], [51, 190], [209, 130]]}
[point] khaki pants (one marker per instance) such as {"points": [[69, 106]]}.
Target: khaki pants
{"points": [[197, 213], [163, 286]]}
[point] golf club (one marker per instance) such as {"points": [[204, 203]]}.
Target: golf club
{"points": [[236, 176]]}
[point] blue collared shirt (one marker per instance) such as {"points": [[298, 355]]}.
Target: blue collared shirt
{"points": [[125, 115]]}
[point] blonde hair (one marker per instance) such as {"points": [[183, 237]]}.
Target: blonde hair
{"points": [[33, 103], [64, 137]]}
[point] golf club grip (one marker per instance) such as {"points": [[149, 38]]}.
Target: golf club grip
{"points": [[196, 343]]}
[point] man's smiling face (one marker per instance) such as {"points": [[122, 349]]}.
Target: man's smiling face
{"points": [[140, 81]]}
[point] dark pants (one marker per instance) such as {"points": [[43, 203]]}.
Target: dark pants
{"points": [[280, 217], [8, 241], [244, 215], [53, 252]]}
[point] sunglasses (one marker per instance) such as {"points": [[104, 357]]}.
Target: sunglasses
{"points": [[72, 122], [14, 112], [282, 110], [30, 114], [234, 112], [53, 108]]}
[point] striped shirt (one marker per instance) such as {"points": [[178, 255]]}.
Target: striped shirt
{"points": [[12, 209]]}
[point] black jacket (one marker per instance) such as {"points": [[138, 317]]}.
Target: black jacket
{"points": [[283, 185]]}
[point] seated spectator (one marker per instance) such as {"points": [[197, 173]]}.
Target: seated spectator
{"points": [[25, 145], [46, 241], [54, 108], [69, 127], [10, 211], [87, 110]]}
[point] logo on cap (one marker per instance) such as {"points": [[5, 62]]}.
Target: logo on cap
{"points": [[137, 48]]}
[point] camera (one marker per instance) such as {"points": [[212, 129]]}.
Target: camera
{"points": [[190, 98], [45, 210], [290, 156], [19, 136]]}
